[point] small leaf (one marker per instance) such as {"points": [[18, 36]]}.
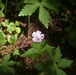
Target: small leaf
{"points": [[32, 1], [35, 56], [51, 71], [12, 38], [59, 71], [57, 55], [6, 58], [41, 66], [16, 52], [5, 23], [28, 53], [2, 14], [47, 48], [9, 70], [2, 35], [64, 63], [17, 23], [37, 46], [44, 16], [11, 63], [18, 30]]}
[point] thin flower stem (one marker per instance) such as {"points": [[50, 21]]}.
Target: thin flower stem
{"points": [[6, 7], [28, 24]]}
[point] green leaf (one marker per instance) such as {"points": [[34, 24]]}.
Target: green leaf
{"points": [[6, 58], [57, 55], [59, 71], [2, 14], [11, 63], [37, 47], [31, 1], [28, 10], [50, 4], [16, 52], [2, 72], [35, 56], [12, 38], [17, 23], [41, 66], [9, 70], [10, 29], [28, 53], [47, 48], [44, 19], [2, 38], [3, 41], [51, 71], [5, 23], [18, 30], [64, 63], [2, 35]]}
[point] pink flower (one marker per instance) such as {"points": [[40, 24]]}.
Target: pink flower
{"points": [[37, 36]]}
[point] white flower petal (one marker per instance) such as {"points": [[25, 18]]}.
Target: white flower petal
{"points": [[34, 39], [34, 34]]}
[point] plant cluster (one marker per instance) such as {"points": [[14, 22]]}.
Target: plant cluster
{"points": [[45, 58]]}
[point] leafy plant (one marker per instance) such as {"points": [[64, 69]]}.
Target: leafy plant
{"points": [[43, 6], [2, 37], [53, 64], [11, 26], [13, 30], [1, 9], [6, 66]]}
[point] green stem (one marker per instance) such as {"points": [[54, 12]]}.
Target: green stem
{"points": [[28, 24], [6, 7]]}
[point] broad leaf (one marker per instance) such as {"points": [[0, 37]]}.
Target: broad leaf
{"points": [[2, 14], [28, 53], [51, 71], [28, 10], [6, 58], [31, 1], [44, 19], [57, 55], [2, 72], [37, 46], [18, 30], [9, 70], [11, 63], [35, 56], [2, 41], [12, 38], [2, 35], [50, 4], [64, 63], [59, 71], [47, 48], [5, 23], [41, 66], [2, 38]]}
